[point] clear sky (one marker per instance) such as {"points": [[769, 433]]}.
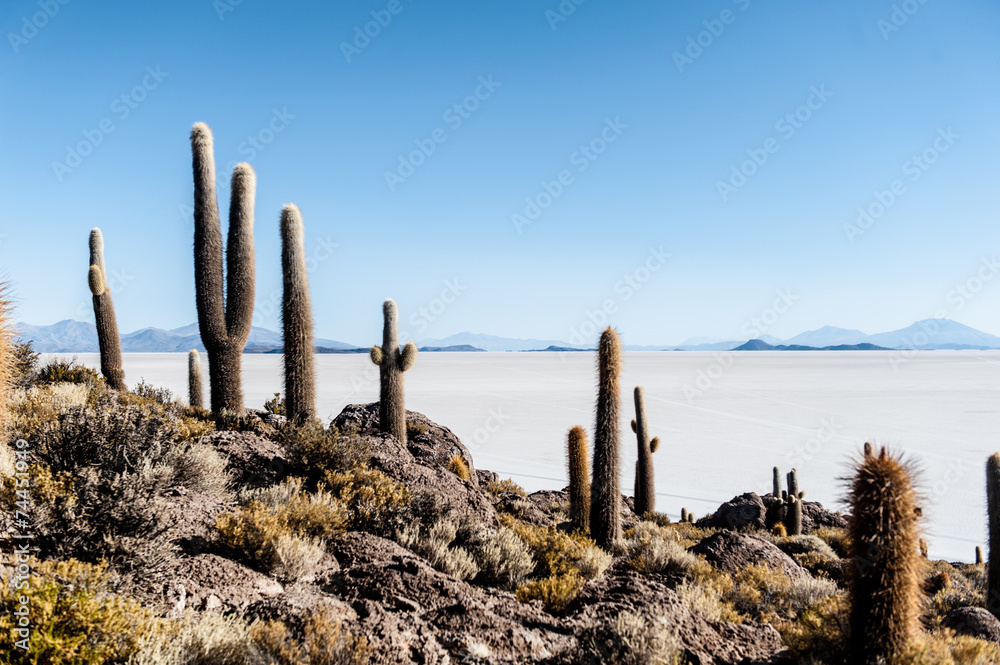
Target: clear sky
{"points": [[585, 146]]}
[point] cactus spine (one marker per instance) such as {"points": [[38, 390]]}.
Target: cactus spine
{"points": [[885, 577], [225, 305], [776, 483], [993, 511], [392, 363], [104, 315], [605, 501], [645, 488], [194, 379], [296, 320], [579, 479]]}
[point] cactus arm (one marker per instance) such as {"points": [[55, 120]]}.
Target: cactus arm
{"points": [[240, 266], [408, 357], [376, 354], [97, 251], [95, 278], [207, 240]]}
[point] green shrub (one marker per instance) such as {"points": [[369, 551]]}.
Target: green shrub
{"points": [[497, 487], [324, 642], [372, 498], [560, 553], [25, 369], [59, 371], [312, 449], [555, 592], [275, 405]]}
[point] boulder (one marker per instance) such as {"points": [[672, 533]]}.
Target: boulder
{"points": [[746, 511], [731, 551], [421, 462], [974, 622]]}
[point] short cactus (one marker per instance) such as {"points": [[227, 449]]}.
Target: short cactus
{"points": [[885, 577], [793, 519], [993, 512], [645, 487], [605, 495], [979, 555], [195, 397], [793, 483], [225, 298], [776, 483], [104, 315], [392, 363], [296, 320], [579, 479], [684, 514]]}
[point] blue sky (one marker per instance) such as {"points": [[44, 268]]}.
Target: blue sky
{"points": [[615, 122]]}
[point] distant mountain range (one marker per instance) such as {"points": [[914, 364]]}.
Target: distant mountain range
{"points": [[761, 345], [79, 337]]}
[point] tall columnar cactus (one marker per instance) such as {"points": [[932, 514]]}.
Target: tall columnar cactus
{"points": [[579, 479], [885, 575], [605, 501], [793, 519], [392, 363], [224, 298], [645, 488], [104, 315], [296, 320], [993, 511], [776, 483], [793, 483], [194, 379]]}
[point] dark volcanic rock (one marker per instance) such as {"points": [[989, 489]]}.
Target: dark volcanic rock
{"points": [[703, 641], [421, 463], [742, 512], [975, 622], [731, 551], [254, 460], [413, 613], [814, 515]]}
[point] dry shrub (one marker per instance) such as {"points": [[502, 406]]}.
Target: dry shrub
{"points": [[458, 466], [325, 642], [767, 594], [556, 592], [497, 487], [629, 639], [560, 553], [435, 543], [372, 497], [503, 559], [198, 639]]}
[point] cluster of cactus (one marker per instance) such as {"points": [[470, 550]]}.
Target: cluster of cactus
{"points": [[645, 488], [605, 495], [104, 315], [225, 298], [885, 577], [392, 362], [789, 506], [687, 516]]}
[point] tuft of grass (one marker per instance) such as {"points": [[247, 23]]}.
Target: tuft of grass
{"points": [[312, 449], [555, 592], [558, 553], [768, 595], [324, 642], [629, 639], [372, 498], [654, 549], [458, 466], [497, 487]]}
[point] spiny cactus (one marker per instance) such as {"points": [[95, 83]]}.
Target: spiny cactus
{"points": [[296, 320], [605, 495], [979, 554], [776, 483], [993, 512], [194, 379], [579, 479], [885, 577], [684, 514], [793, 483], [225, 304], [793, 521], [104, 315], [392, 363], [645, 488]]}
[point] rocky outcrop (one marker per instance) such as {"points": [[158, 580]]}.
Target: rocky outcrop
{"points": [[253, 460], [730, 551], [746, 511], [975, 622], [421, 462]]}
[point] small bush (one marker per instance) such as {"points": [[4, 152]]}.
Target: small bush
{"points": [[324, 642], [371, 497], [946, 648], [653, 549], [76, 617], [806, 545], [503, 559], [555, 592], [560, 553], [435, 545], [295, 557], [71, 371], [275, 405], [629, 639], [198, 639], [414, 429], [837, 539], [198, 467], [819, 634], [459, 467], [145, 392], [767, 594], [25, 364], [707, 600], [313, 450], [497, 487]]}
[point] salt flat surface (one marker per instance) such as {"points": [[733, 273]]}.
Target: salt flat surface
{"points": [[811, 410]]}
